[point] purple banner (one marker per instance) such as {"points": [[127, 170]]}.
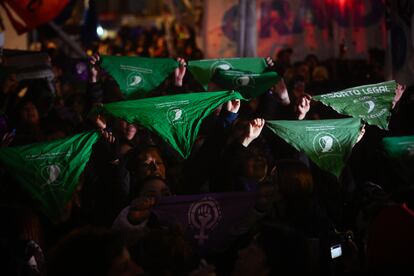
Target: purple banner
{"points": [[208, 220]]}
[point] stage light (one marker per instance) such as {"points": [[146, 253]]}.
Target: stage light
{"points": [[100, 31]]}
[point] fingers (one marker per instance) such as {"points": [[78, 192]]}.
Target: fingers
{"points": [[258, 123], [255, 127], [399, 91], [401, 86], [7, 139], [100, 121], [269, 61], [361, 133], [180, 72], [108, 136], [304, 101], [236, 105], [94, 67], [307, 96], [181, 62], [95, 59], [233, 106]]}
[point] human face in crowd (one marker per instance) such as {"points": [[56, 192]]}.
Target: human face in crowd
{"points": [[29, 114], [256, 168], [299, 89], [303, 71], [128, 130], [151, 164], [123, 266], [155, 188]]}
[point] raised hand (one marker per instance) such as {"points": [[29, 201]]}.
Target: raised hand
{"points": [[399, 91], [108, 136], [100, 121], [269, 61], [361, 133], [254, 128], [94, 67], [179, 72], [233, 106], [303, 106]]}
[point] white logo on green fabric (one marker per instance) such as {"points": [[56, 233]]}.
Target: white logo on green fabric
{"points": [[325, 143], [410, 150], [243, 81], [176, 115], [134, 80], [371, 106], [204, 215], [50, 174], [223, 65]]}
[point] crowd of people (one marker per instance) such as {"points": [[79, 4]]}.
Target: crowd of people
{"points": [[175, 39], [302, 215]]}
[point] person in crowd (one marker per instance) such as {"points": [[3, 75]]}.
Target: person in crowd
{"points": [[294, 203], [133, 220], [274, 250], [283, 60], [91, 251], [29, 129], [389, 239], [237, 170], [21, 242]]}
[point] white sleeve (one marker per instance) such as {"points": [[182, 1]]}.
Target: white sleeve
{"points": [[131, 232]]}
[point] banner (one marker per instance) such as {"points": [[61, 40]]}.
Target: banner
{"points": [[328, 143], [372, 103], [307, 26], [50, 171], [33, 13], [207, 219], [137, 76], [401, 151], [28, 65], [250, 85], [176, 119], [203, 70]]}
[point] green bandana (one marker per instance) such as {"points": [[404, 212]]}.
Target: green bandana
{"points": [[401, 151], [50, 171], [249, 84], [176, 118], [137, 76], [328, 143], [372, 103], [203, 70]]}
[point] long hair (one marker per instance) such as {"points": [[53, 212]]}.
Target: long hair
{"points": [[294, 184]]}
